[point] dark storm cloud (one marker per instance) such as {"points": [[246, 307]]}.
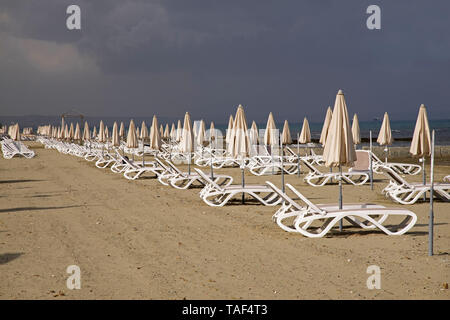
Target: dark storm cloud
{"points": [[136, 58]]}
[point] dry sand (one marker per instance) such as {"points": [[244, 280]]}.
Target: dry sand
{"points": [[142, 240]]}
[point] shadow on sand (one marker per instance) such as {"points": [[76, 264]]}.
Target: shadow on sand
{"points": [[19, 181], [7, 257], [33, 208]]}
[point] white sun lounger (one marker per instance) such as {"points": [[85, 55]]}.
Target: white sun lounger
{"points": [[316, 178], [401, 168], [184, 180], [365, 216], [405, 192], [217, 196]]}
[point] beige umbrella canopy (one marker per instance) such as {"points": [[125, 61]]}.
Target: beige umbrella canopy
{"points": [[115, 140], [356, 134], [66, 132], [77, 134], [101, 132], [94, 132], [155, 135], [187, 139], [161, 130], [63, 125], [16, 133], [229, 130], [122, 131], [421, 141], [240, 143], [253, 134], [339, 148], [201, 136], [137, 133], [212, 132], [305, 134], [286, 134], [144, 131], [132, 138], [173, 132], [167, 132], [106, 133], [71, 131], [86, 133], [385, 135], [179, 131], [326, 126], [270, 138]]}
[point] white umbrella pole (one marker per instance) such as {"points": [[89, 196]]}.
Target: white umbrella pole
{"points": [[431, 223], [370, 160], [211, 160], [340, 195], [143, 153], [189, 164], [282, 169], [424, 176], [298, 155], [386, 156], [243, 180]]}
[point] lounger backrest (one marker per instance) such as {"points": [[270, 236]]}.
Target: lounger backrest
{"points": [[208, 180], [310, 166], [311, 205], [394, 176], [173, 167], [161, 164], [362, 161], [375, 158], [284, 196], [291, 151]]}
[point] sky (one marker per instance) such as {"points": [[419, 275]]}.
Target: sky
{"points": [[139, 58]]}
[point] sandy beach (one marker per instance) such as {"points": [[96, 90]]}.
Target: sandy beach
{"points": [[142, 240]]}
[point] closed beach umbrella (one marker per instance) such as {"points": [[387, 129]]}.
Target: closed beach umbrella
{"points": [[240, 143], [179, 131], [187, 139], [122, 131], [421, 141], [254, 136], [144, 132], [161, 131], [167, 131], [385, 134], [356, 134], [305, 134], [115, 140], [286, 135], [201, 136], [137, 133], [173, 132], [94, 132], [16, 133], [339, 147], [77, 134], [106, 133], [86, 133], [132, 138], [270, 138], [66, 132], [326, 125], [229, 130], [212, 133], [101, 132], [155, 135], [71, 131], [63, 126]]}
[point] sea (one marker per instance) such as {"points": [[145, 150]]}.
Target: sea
{"points": [[402, 131]]}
